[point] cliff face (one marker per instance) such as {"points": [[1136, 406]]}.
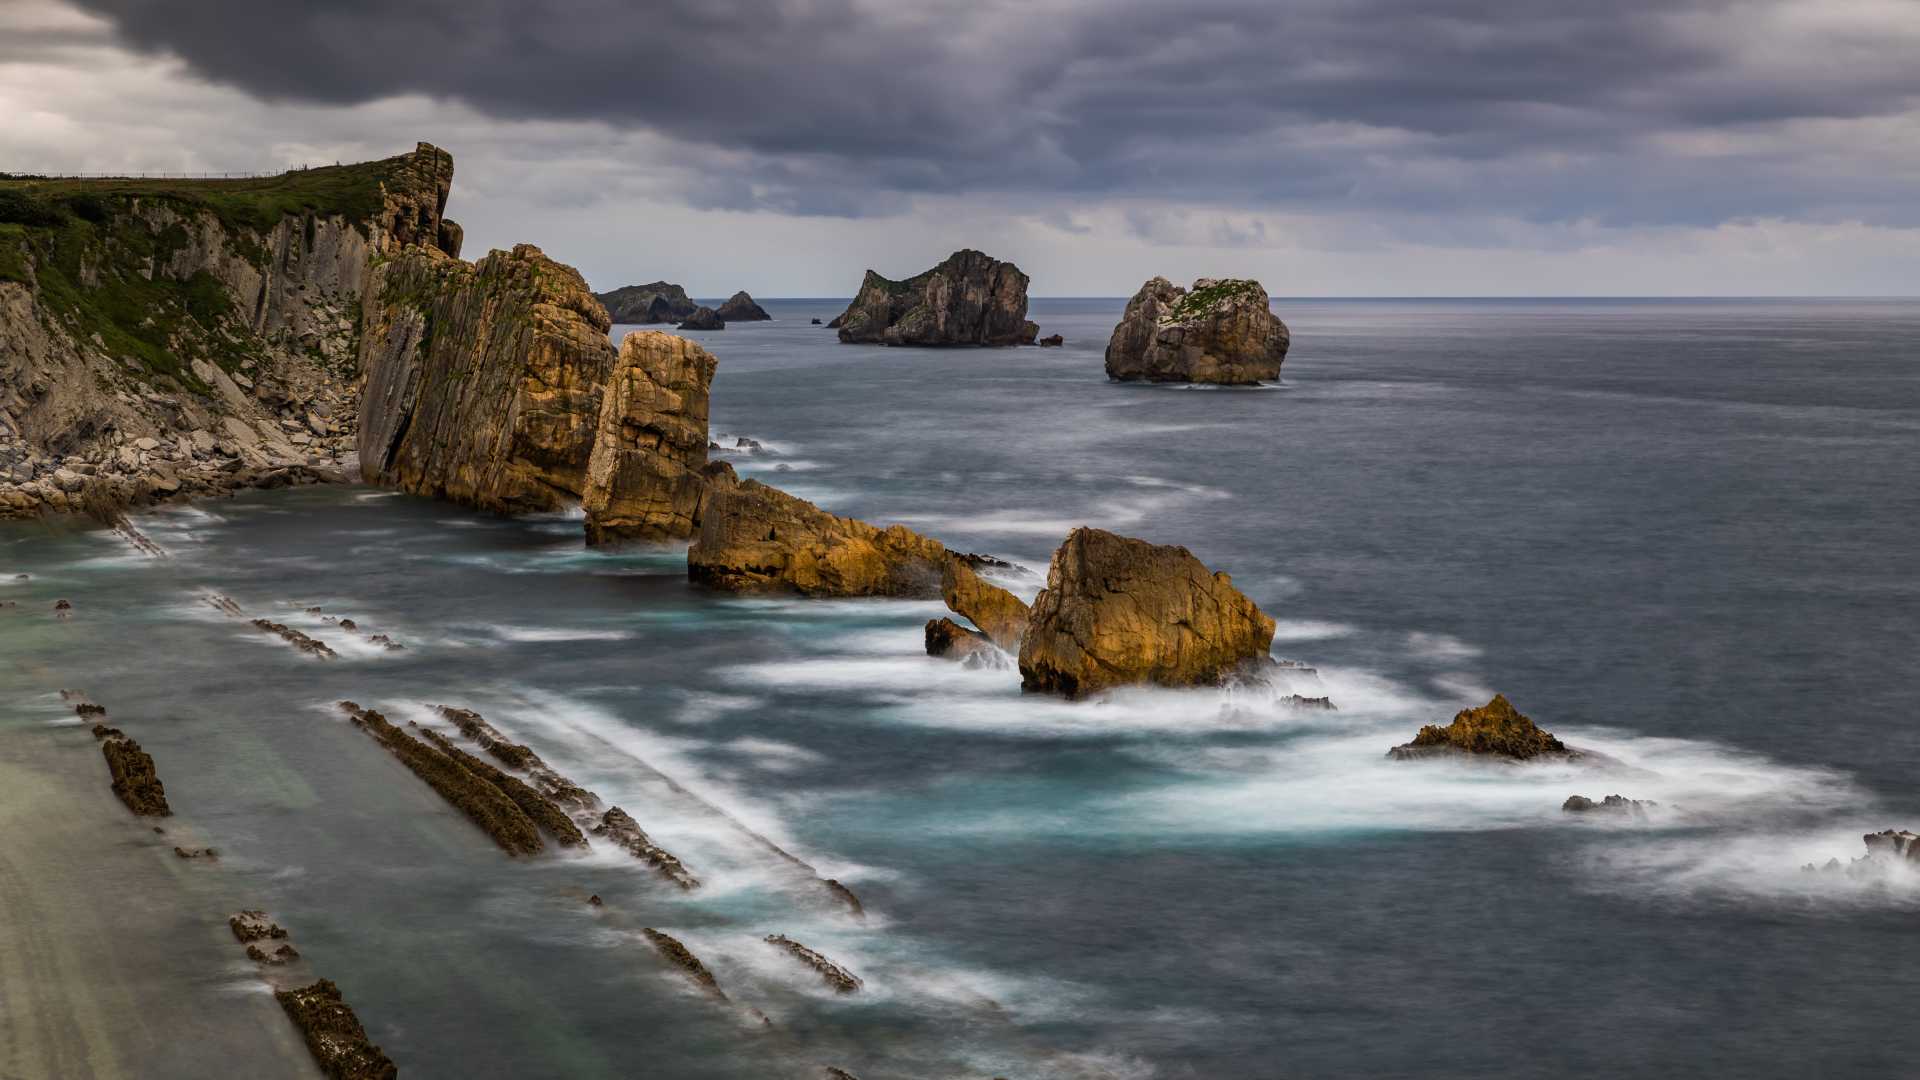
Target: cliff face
{"points": [[185, 337], [970, 299], [494, 384]]}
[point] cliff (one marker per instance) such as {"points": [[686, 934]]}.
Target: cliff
{"points": [[494, 384], [168, 337], [970, 299]]}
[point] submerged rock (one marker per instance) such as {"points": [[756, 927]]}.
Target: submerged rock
{"points": [[839, 978], [251, 926], [618, 826], [657, 302], [1496, 729], [333, 1033], [970, 299], [703, 318], [1052, 341], [741, 308], [682, 957], [1223, 331], [999, 614], [756, 538], [816, 322], [1612, 804], [1118, 610]]}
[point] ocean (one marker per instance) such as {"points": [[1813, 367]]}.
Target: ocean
{"points": [[1678, 532]]}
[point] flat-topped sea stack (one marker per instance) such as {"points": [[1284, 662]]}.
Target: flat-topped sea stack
{"points": [[756, 538], [741, 308], [970, 299], [494, 385], [1495, 730], [1221, 331], [641, 305], [1118, 610]]}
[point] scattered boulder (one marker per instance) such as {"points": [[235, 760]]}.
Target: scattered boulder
{"points": [[1496, 729], [741, 308], [999, 614], [657, 302], [1223, 331], [1612, 804], [1117, 610], [970, 299], [756, 538], [703, 318], [946, 638], [840, 979], [333, 1033], [1052, 341]]}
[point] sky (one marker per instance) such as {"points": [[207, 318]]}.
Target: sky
{"points": [[1324, 147]]}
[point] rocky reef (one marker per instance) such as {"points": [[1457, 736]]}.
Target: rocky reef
{"points": [[1496, 730], [484, 804], [1222, 331], [1611, 805], [1118, 610], [135, 781], [756, 538], [840, 979], [340, 1046], [969, 299], [740, 308], [165, 339], [682, 958], [618, 826], [641, 305]]}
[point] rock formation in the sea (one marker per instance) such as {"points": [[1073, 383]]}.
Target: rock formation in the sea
{"points": [[494, 384], [1496, 729], [970, 299], [1118, 610], [1889, 852], [1219, 332], [682, 957], [1612, 804], [312, 646], [756, 538], [646, 477], [641, 305], [1052, 341], [618, 826], [484, 804], [339, 1044], [999, 614], [539, 809], [168, 339], [951, 641], [135, 780], [703, 318], [839, 978], [741, 308], [816, 322]]}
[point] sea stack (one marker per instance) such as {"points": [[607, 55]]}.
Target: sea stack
{"points": [[970, 299], [741, 308], [1221, 332], [655, 302], [1117, 610], [1495, 730], [703, 318]]}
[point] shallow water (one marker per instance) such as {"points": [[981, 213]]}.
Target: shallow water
{"points": [[1679, 533]]}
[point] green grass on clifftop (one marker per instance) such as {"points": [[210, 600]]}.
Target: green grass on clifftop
{"points": [[352, 191]]}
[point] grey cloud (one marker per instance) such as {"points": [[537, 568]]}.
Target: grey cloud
{"points": [[1544, 110]]}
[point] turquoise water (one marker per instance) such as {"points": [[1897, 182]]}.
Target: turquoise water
{"points": [[1676, 532]]}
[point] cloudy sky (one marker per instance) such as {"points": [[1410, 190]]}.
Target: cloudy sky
{"points": [[1326, 147]]}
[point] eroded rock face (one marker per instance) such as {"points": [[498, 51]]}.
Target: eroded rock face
{"points": [[657, 302], [741, 308], [644, 477], [970, 299], [756, 538], [1118, 610], [999, 614], [1496, 729], [1220, 332]]}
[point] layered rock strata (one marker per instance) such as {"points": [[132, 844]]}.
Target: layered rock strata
{"points": [[339, 1044], [682, 958], [647, 476], [484, 804], [840, 979], [969, 299], [1118, 610], [1496, 730], [171, 339], [1223, 331]]}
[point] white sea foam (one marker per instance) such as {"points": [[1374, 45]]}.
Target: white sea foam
{"points": [[558, 633], [1761, 865], [1286, 630], [772, 754]]}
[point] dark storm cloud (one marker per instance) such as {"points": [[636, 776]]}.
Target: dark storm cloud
{"points": [[1543, 109]]}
